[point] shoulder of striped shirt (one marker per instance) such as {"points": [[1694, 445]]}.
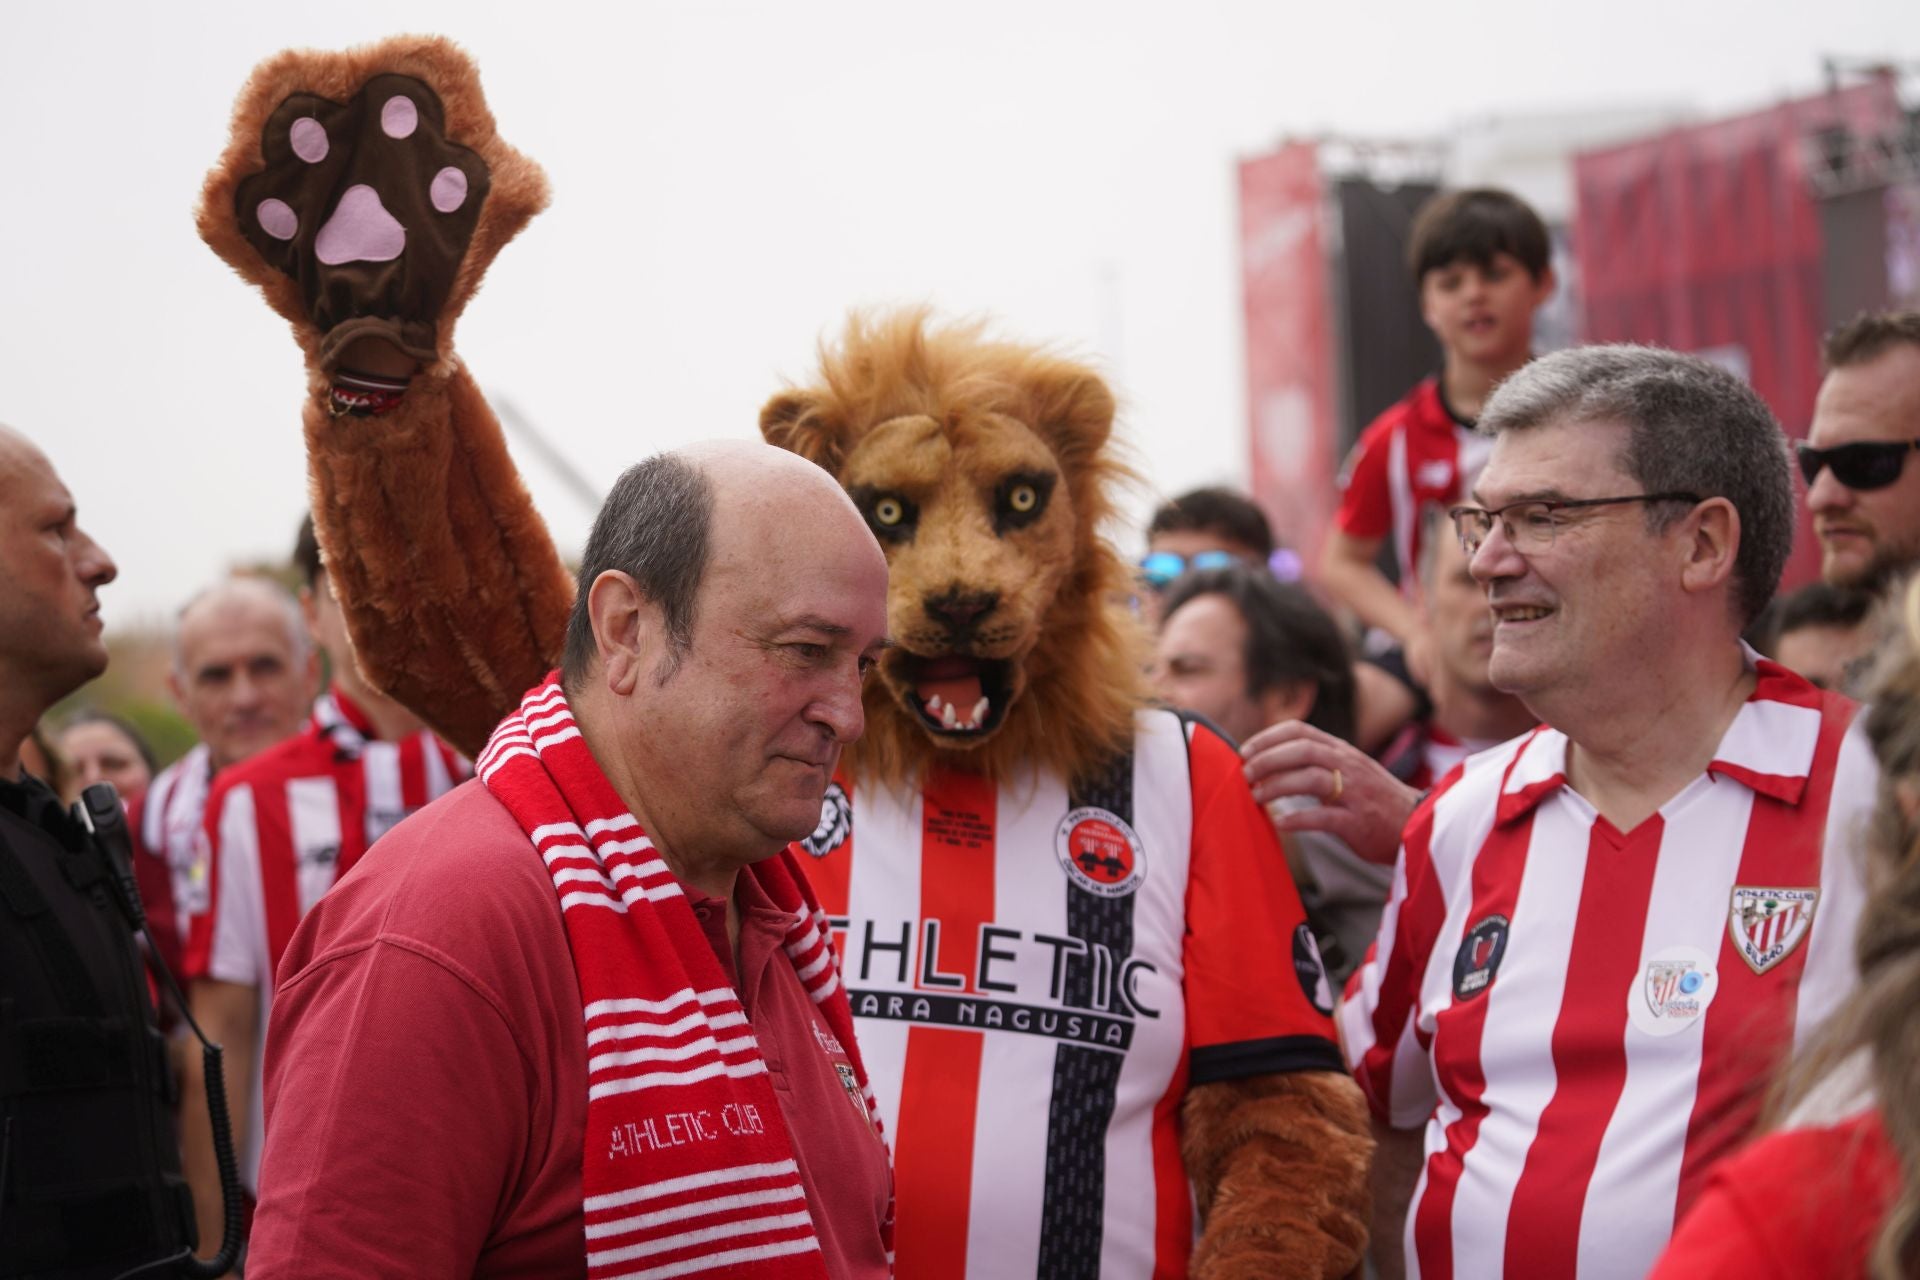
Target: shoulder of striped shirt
{"points": [[1402, 413], [1477, 780], [1162, 719], [160, 790], [292, 757], [1460, 803], [148, 810], [163, 783]]}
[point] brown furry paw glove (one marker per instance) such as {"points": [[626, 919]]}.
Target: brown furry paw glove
{"points": [[365, 193], [1279, 1167]]}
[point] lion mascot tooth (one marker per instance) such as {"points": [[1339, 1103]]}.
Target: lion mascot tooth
{"points": [[1082, 984]]}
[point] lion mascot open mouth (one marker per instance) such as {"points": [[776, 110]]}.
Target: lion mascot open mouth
{"points": [[1067, 932], [983, 469]]}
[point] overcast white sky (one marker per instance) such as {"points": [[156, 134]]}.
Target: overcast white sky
{"points": [[729, 179]]}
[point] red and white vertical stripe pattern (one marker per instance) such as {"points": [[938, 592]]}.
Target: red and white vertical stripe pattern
{"points": [[170, 821], [294, 819], [1771, 929], [1567, 1124], [1432, 462], [687, 1165], [281, 829], [934, 878]]}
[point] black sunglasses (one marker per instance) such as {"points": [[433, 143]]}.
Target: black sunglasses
{"points": [[1865, 464]]}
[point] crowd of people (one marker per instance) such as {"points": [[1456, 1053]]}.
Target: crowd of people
{"points": [[1553, 770]]}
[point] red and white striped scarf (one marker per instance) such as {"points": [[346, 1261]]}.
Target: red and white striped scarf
{"points": [[687, 1165]]}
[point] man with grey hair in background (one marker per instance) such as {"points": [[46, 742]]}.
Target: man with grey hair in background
{"points": [[244, 674], [1603, 935]]}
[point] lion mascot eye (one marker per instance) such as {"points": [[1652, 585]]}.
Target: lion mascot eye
{"points": [[889, 512], [1023, 498]]}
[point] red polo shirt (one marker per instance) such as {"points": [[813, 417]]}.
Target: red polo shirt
{"points": [[426, 1079]]}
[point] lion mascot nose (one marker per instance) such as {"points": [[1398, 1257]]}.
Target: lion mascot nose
{"points": [[960, 610]]}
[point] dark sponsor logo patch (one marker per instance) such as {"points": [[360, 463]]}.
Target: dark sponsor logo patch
{"points": [[1479, 957], [1308, 967]]}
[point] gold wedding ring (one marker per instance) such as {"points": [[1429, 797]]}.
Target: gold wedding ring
{"points": [[1339, 785]]}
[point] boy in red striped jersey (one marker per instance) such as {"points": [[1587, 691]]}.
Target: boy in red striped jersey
{"points": [[1483, 264], [280, 828], [1605, 934]]}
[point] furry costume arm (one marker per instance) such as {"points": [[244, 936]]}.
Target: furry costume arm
{"points": [[365, 193], [1279, 1167]]}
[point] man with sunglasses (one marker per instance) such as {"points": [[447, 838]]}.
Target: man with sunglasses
{"points": [[1211, 528], [1862, 487], [1605, 934]]}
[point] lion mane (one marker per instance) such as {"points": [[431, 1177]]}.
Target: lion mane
{"points": [[1081, 654]]}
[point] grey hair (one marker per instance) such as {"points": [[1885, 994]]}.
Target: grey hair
{"points": [[656, 527], [299, 642], [1692, 427]]}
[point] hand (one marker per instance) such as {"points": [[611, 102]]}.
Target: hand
{"points": [[365, 192], [369, 206], [1358, 801]]}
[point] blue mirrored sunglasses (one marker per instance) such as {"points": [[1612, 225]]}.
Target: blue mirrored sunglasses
{"points": [[1162, 567]]}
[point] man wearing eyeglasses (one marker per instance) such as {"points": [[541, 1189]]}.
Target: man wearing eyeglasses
{"points": [[1605, 934], [1862, 487]]}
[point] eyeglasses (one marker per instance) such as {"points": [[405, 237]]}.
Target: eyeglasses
{"points": [[1162, 567], [1864, 464], [1531, 525]]}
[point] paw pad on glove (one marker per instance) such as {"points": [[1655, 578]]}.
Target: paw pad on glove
{"points": [[368, 206]]}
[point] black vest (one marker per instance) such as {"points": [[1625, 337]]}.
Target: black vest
{"points": [[90, 1179]]}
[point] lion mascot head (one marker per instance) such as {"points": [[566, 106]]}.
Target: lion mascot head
{"points": [[986, 471]]}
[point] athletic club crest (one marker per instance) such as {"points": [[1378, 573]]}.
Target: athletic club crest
{"points": [[836, 823], [1100, 852], [1767, 924]]}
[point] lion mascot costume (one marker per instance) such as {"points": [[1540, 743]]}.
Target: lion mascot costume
{"points": [[1095, 1021]]}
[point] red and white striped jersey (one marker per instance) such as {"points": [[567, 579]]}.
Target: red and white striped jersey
{"points": [[1422, 753], [1584, 1020], [1039, 972], [1413, 458], [166, 820], [283, 825]]}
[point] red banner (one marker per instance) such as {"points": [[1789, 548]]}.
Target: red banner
{"points": [[1291, 411], [1707, 239]]}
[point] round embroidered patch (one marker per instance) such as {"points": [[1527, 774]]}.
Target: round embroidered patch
{"points": [[1674, 990], [1311, 970], [1479, 957], [836, 823], [1100, 852]]}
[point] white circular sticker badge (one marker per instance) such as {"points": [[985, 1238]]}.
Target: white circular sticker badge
{"points": [[1673, 991]]}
